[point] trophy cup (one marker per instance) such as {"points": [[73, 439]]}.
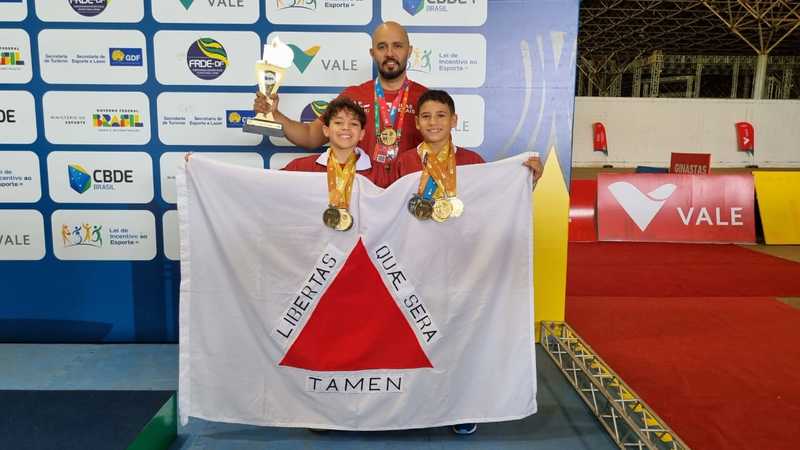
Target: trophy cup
{"points": [[269, 73]]}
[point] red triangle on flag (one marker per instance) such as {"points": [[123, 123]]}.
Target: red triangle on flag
{"points": [[357, 325]]}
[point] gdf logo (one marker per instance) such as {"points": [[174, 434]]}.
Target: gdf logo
{"points": [[125, 56], [8, 116], [206, 58]]}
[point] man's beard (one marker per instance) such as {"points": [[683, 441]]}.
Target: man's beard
{"points": [[393, 74]]}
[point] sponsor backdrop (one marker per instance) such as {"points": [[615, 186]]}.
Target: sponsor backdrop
{"points": [[99, 100]]}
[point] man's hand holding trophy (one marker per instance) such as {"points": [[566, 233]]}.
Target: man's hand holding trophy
{"points": [[269, 73]]}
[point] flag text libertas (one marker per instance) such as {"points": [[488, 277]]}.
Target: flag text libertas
{"points": [[303, 302]]}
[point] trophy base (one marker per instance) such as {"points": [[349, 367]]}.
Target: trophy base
{"points": [[264, 127]]}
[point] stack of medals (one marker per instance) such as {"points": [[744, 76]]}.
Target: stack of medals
{"points": [[388, 128], [436, 198], [340, 184]]}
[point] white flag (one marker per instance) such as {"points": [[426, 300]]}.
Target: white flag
{"points": [[397, 323]]}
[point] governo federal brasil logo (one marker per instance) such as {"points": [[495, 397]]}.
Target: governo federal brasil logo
{"points": [[117, 118], [89, 8], [302, 58], [11, 56], [207, 58]]}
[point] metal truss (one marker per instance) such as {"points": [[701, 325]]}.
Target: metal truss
{"points": [[619, 36], [761, 24], [623, 29], [690, 76], [627, 418]]}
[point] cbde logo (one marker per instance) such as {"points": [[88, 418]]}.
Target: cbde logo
{"points": [[88, 8], [8, 115], [207, 59], [415, 7], [125, 56], [104, 179]]}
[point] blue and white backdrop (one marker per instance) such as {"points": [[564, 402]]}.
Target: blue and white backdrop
{"points": [[99, 99]]}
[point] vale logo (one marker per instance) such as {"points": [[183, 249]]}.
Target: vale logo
{"points": [[640, 207], [302, 58]]}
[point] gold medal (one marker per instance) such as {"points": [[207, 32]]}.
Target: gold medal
{"points": [[331, 217], [345, 220], [423, 209], [458, 206], [442, 209], [388, 137]]}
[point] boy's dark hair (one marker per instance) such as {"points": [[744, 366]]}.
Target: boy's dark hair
{"points": [[344, 104], [434, 95]]}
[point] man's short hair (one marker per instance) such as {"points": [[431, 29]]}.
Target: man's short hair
{"points": [[344, 104], [434, 95]]}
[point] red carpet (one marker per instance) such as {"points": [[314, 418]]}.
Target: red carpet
{"points": [[722, 372], [626, 269]]}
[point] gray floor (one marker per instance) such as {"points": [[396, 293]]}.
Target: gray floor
{"points": [[563, 422]]}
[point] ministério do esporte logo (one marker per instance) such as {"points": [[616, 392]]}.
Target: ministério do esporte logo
{"points": [[207, 58]]}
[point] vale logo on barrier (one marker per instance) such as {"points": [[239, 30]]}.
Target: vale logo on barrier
{"points": [[640, 207]]}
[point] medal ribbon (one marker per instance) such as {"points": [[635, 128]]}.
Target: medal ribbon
{"points": [[386, 117], [340, 180], [441, 167]]}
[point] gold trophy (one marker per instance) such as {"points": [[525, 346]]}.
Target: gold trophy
{"points": [[269, 73]]}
